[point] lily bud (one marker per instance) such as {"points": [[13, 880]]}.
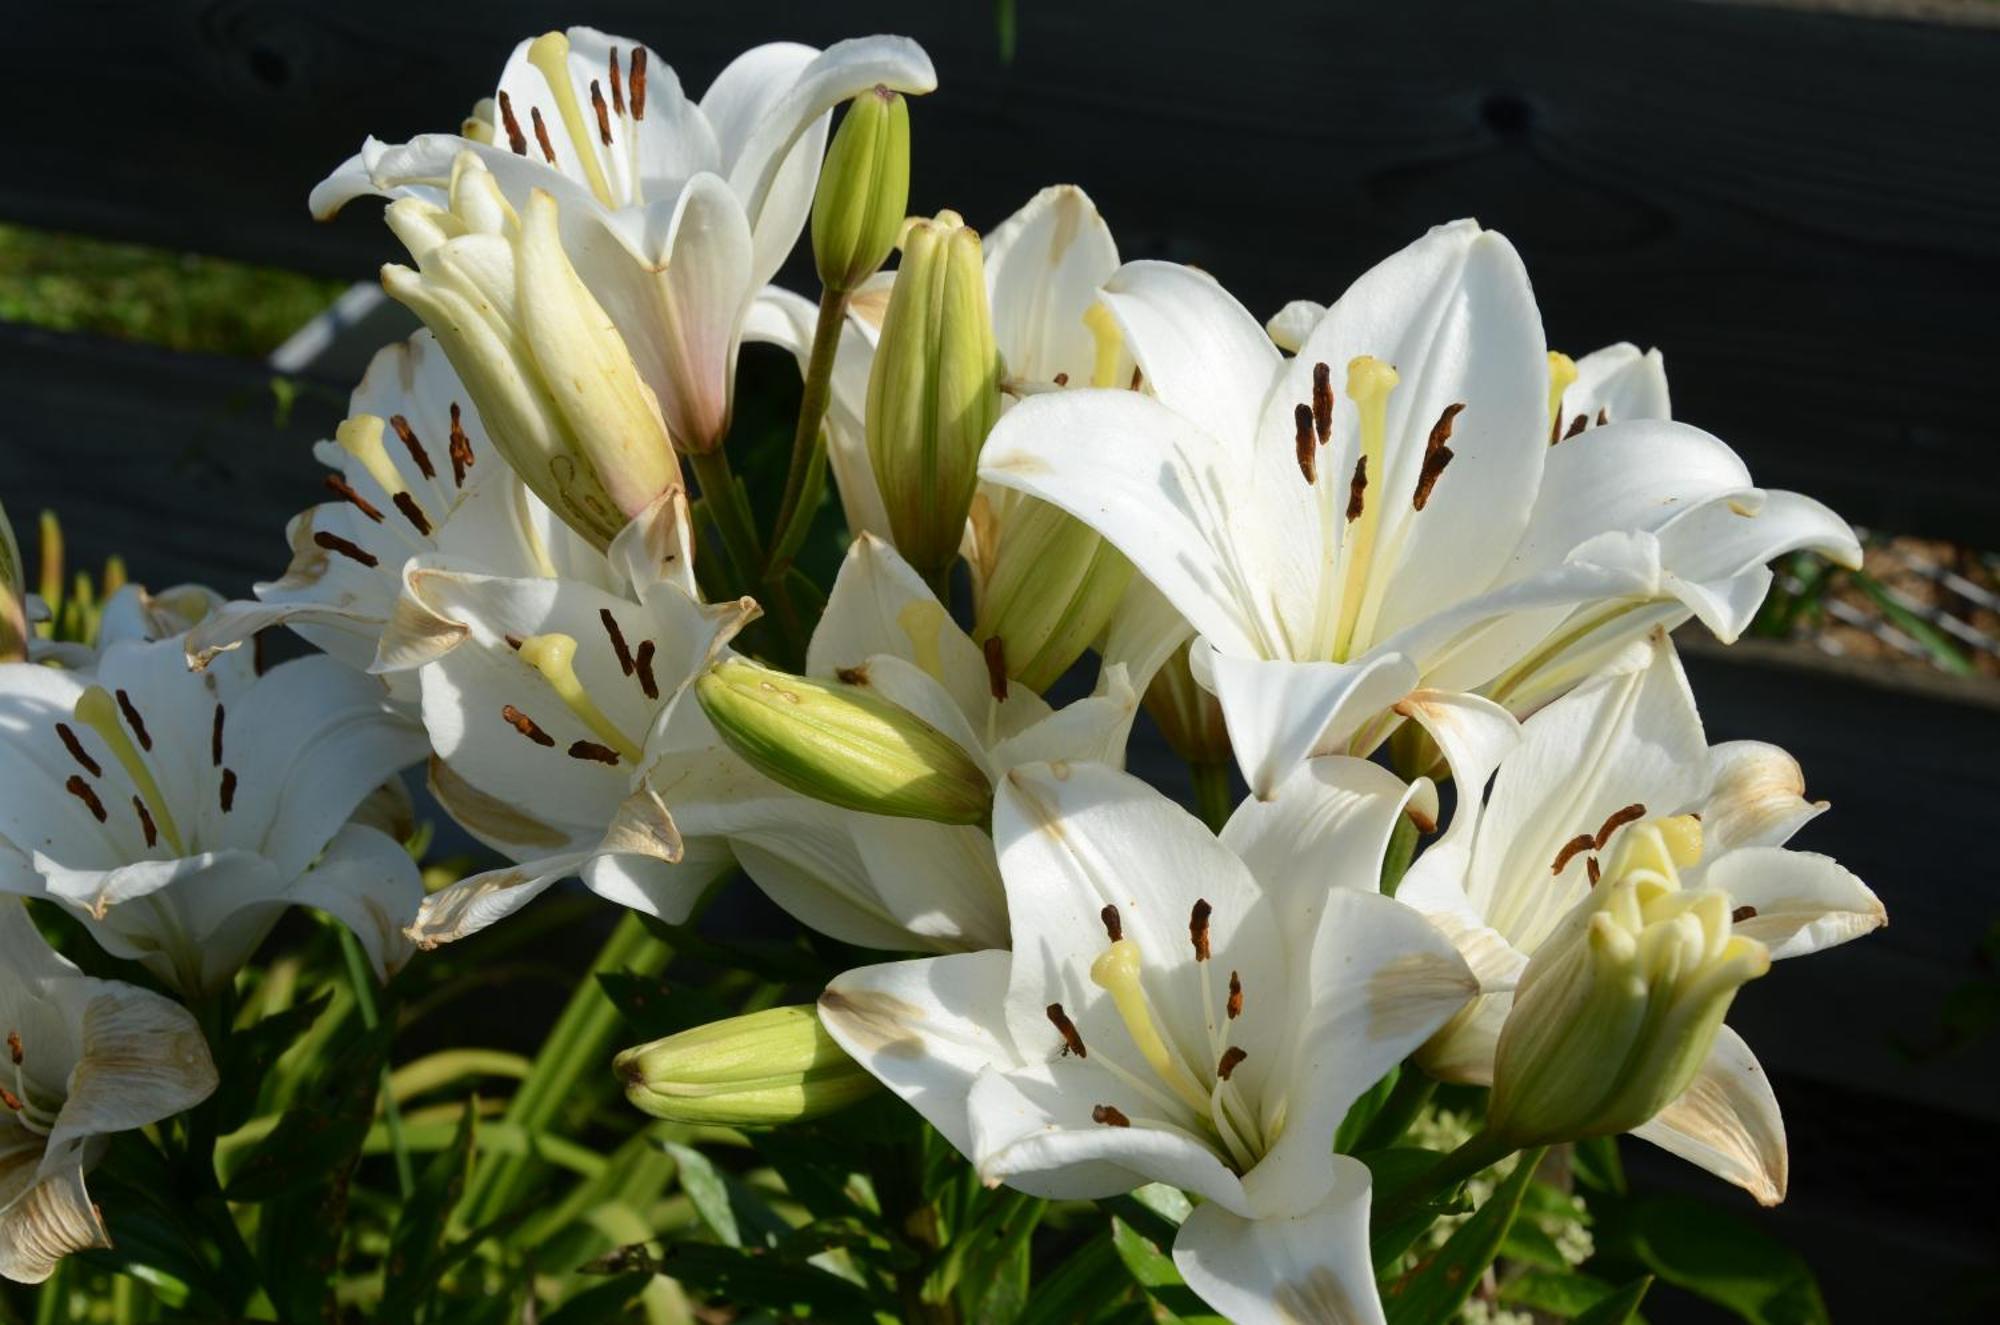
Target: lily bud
{"points": [[841, 744], [933, 392], [758, 1070], [1187, 715], [864, 189], [1617, 1010], [1053, 586], [554, 382], [13, 596]]}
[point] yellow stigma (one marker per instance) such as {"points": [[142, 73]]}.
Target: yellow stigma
{"points": [[549, 53], [554, 656], [1369, 382], [1116, 971], [97, 710], [1562, 373], [1110, 342], [361, 437]]}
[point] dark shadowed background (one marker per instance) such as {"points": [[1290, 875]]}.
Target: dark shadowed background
{"points": [[1801, 207]]}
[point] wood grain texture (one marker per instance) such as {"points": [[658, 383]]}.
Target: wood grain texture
{"points": [[1802, 209]]}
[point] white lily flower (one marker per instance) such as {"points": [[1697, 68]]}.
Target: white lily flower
{"points": [[873, 880], [1178, 1009], [413, 475], [178, 814], [676, 214], [86, 1058], [1621, 755], [1384, 511]]}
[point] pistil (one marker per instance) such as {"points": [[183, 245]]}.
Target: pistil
{"points": [[554, 656], [96, 710], [1369, 382], [1109, 340], [361, 437], [1116, 971], [549, 53]]}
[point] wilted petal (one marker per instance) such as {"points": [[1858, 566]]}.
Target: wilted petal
{"points": [[46, 1223], [1797, 901], [1758, 797], [1728, 1122]]}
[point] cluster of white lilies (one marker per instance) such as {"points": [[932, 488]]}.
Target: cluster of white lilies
{"points": [[1395, 526]]}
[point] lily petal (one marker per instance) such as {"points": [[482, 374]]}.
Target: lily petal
{"points": [[1280, 712], [1312, 1266], [1799, 901], [1758, 797], [1728, 1122]]}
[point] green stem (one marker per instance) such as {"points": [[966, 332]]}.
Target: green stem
{"points": [[1413, 1090], [808, 438], [578, 1046], [724, 504], [1481, 1152], [363, 979], [1402, 849], [1211, 794]]}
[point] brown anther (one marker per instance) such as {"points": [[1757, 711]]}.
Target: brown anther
{"points": [[1109, 1116], [513, 642], [617, 639], [639, 82], [1618, 819], [603, 113], [11, 1100], [344, 490], [14, 1050], [996, 666], [215, 739], [1581, 842], [228, 789], [642, 663], [76, 750], [1603, 416], [515, 138], [1114, 927], [1436, 455], [415, 447], [525, 725], [1062, 379], [1235, 997], [854, 676], [542, 134], [1576, 425], [617, 83], [1198, 927], [146, 821], [1072, 1042], [1231, 1056], [1303, 444], [134, 721], [591, 750], [1322, 404], [1741, 914], [1137, 377], [1590, 868], [260, 661], [460, 447], [335, 543], [1357, 487], [413, 513]]}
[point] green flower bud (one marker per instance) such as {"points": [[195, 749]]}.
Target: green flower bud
{"points": [[864, 189], [933, 391], [758, 1070], [13, 596], [1053, 586], [1619, 1007], [1187, 715], [844, 745]]}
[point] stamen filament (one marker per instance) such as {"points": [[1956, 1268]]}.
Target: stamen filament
{"points": [[554, 656], [1369, 382], [96, 710], [1109, 341], [1116, 971], [549, 53]]}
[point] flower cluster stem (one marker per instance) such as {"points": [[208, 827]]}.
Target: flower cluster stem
{"points": [[1211, 794], [1413, 1090], [363, 981], [809, 437], [1480, 1152]]}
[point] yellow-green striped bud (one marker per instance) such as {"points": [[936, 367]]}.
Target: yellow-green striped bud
{"points": [[1053, 586], [758, 1070], [864, 190], [843, 744], [13, 596], [1620, 1006], [933, 392]]}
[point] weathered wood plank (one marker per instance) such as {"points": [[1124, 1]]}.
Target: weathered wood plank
{"points": [[1801, 208]]}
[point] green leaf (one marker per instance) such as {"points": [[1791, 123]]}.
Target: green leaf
{"points": [[1944, 653], [413, 1264], [1153, 1270], [1362, 1112], [734, 1213], [607, 1301], [1716, 1254], [1618, 1307], [1597, 1165], [249, 1055], [1432, 1293], [653, 1008], [752, 1278], [321, 1135], [1565, 1293], [815, 1173], [1081, 1286], [1393, 1170]]}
